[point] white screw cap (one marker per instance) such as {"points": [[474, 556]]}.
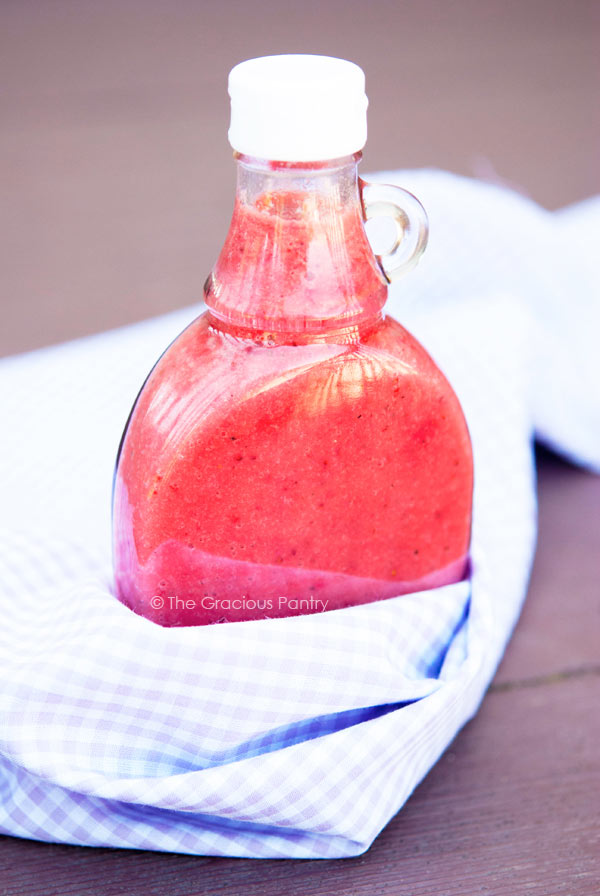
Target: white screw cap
{"points": [[297, 108]]}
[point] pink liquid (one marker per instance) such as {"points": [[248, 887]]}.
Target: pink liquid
{"points": [[270, 472]]}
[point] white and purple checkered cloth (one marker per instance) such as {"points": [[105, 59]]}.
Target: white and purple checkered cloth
{"points": [[293, 737]]}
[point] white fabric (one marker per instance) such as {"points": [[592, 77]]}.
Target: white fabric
{"points": [[296, 737]]}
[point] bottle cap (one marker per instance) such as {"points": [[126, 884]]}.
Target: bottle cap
{"points": [[297, 108]]}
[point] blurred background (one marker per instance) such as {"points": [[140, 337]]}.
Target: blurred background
{"points": [[116, 177]]}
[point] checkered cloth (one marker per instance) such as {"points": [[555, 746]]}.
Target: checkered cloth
{"points": [[294, 737]]}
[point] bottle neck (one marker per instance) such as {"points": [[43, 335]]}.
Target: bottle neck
{"points": [[296, 258]]}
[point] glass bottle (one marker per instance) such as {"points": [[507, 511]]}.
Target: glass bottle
{"points": [[295, 449]]}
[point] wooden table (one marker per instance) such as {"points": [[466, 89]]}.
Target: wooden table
{"points": [[117, 180]]}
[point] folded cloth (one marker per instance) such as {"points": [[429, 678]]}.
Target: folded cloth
{"points": [[294, 737]]}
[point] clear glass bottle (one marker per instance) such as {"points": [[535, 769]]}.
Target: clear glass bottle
{"points": [[295, 449]]}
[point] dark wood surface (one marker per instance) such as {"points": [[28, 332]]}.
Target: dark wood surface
{"points": [[510, 809], [116, 184]]}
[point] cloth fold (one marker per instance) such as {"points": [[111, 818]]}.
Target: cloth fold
{"points": [[294, 737]]}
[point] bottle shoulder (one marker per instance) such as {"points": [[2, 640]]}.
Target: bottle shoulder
{"points": [[207, 371], [204, 350]]}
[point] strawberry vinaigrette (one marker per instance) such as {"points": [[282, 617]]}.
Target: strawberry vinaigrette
{"points": [[295, 450]]}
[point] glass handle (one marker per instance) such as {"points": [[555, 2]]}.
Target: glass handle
{"points": [[410, 219]]}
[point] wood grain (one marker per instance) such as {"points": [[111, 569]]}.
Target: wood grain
{"points": [[116, 178]]}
